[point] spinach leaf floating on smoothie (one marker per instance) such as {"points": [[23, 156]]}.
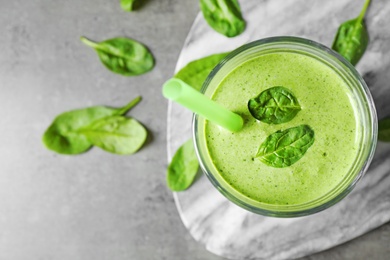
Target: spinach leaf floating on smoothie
{"points": [[183, 167], [284, 148], [196, 72], [123, 56], [224, 16], [352, 38], [275, 105], [384, 130], [116, 134], [130, 5], [63, 135]]}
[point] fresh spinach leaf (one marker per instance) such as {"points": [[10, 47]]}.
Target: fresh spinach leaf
{"points": [[284, 148], [384, 130], [183, 167], [275, 105], [352, 38], [123, 56], [63, 135], [224, 16], [130, 5], [116, 134], [196, 72]]}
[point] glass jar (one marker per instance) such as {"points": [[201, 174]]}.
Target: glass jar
{"points": [[366, 117]]}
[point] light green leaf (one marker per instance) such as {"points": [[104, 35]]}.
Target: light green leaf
{"points": [[284, 148], [183, 167], [116, 134], [224, 16], [196, 72], [352, 38], [130, 5], [275, 105], [63, 136], [123, 56]]}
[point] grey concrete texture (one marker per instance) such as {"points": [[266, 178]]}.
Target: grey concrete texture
{"points": [[95, 205]]}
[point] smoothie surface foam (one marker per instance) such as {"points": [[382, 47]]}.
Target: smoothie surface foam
{"points": [[327, 107]]}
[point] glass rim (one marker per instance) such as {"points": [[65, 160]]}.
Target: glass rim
{"points": [[335, 194]]}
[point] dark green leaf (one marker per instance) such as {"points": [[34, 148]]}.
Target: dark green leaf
{"points": [[116, 134], [123, 56], [284, 148], [130, 5], [224, 16], [196, 72], [183, 168], [63, 135], [352, 38], [275, 105], [384, 130]]}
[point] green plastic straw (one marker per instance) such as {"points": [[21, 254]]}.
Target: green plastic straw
{"points": [[183, 94]]}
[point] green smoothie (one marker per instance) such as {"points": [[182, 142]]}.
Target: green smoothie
{"points": [[327, 107]]}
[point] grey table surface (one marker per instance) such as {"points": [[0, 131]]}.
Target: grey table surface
{"points": [[95, 205]]}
